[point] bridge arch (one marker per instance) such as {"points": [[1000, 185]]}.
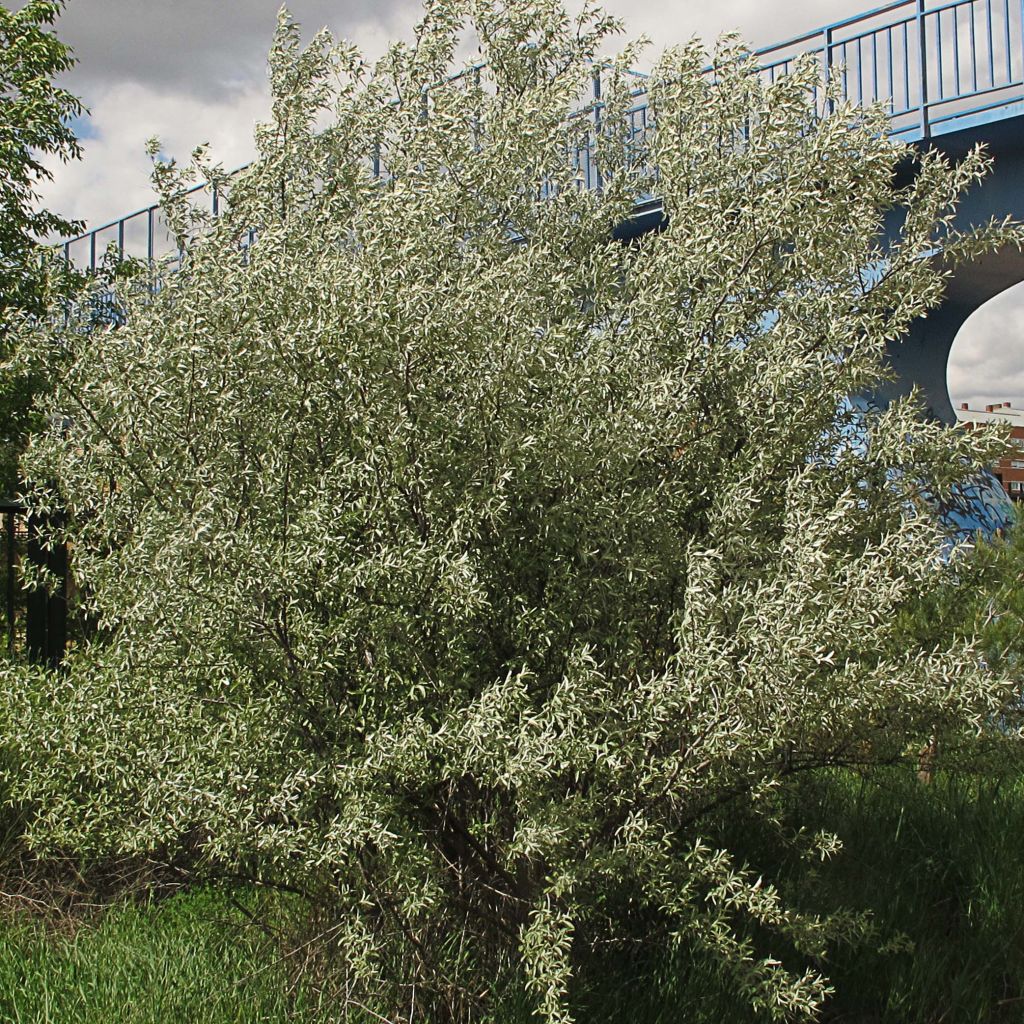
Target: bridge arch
{"points": [[922, 357], [986, 362]]}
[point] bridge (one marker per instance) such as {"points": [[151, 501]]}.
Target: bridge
{"points": [[951, 73]]}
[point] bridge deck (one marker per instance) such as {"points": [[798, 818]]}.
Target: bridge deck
{"points": [[941, 66]]}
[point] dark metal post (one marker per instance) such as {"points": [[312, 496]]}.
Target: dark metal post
{"points": [[36, 601], [57, 601], [922, 49], [597, 126], [46, 610]]}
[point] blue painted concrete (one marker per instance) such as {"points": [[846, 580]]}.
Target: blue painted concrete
{"points": [[923, 357]]}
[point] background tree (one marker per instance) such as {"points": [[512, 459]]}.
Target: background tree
{"points": [[460, 566], [36, 125]]}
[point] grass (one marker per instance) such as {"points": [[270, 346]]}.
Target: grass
{"points": [[188, 959], [940, 867]]}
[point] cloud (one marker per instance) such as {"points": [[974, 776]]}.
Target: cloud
{"points": [[757, 22], [112, 179], [210, 50], [986, 364], [193, 71], [203, 48]]}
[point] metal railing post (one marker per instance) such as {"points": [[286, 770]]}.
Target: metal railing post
{"points": [[827, 73], [149, 234], [1022, 40], [922, 43]]}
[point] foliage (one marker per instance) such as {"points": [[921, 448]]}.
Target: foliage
{"points": [[457, 564], [939, 867], [983, 598], [36, 118]]}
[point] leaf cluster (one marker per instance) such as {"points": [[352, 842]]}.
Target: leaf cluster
{"points": [[36, 126]]}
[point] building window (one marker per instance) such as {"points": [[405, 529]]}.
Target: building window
{"points": [[1015, 486], [1016, 463]]}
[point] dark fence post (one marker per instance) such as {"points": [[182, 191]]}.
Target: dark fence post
{"points": [[57, 600], [46, 610]]}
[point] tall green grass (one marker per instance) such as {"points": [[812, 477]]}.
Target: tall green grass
{"points": [[940, 867], [188, 959]]}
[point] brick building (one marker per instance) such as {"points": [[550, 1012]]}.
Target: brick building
{"points": [[1009, 470]]}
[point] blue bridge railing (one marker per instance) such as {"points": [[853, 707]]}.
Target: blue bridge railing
{"points": [[940, 65]]}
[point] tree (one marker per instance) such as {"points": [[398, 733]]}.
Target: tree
{"points": [[36, 123], [454, 562]]}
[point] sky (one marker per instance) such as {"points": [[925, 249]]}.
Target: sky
{"points": [[194, 71]]}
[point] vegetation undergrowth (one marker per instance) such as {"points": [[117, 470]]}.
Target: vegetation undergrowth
{"points": [[193, 958], [939, 867]]}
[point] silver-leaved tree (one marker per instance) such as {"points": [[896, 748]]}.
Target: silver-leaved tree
{"points": [[456, 563]]}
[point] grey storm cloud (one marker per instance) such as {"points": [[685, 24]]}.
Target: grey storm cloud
{"points": [[205, 47], [201, 47]]}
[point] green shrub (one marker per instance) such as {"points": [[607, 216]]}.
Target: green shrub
{"points": [[454, 563]]}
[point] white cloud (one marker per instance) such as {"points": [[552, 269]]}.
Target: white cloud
{"points": [[987, 361], [112, 179]]}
